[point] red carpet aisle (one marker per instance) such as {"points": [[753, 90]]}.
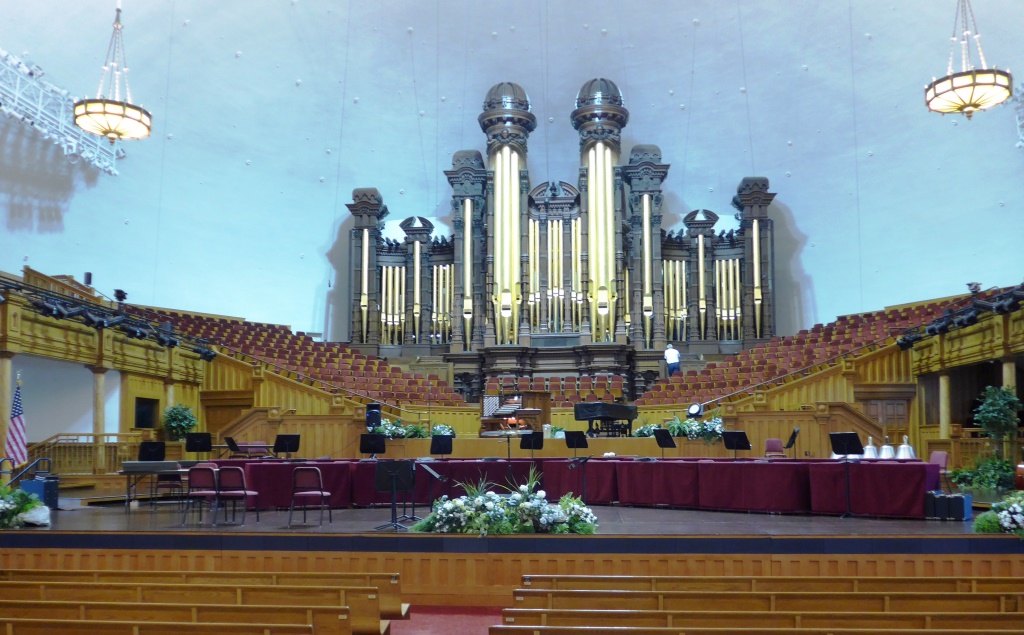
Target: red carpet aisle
{"points": [[447, 620]]}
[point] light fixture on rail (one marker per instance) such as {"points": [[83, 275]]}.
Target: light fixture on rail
{"points": [[967, 317], [110, 114], [204, 353], [135, 331], [972, 89], [695, 410], [939, 325], [100, 322], [165, 335], [907, 341]]}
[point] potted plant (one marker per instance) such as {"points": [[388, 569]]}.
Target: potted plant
{"points": [[179, 420], [997, 415]]}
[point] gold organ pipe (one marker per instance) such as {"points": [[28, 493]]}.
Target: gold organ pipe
{"points": [[608, 234], [467, 260], [757, 277], [683, 310], [415, 280], [737, 296], [719, 297], [514, 266], [364, 295], [401, 304], [702, 300], [433, 302], [647, 249]]}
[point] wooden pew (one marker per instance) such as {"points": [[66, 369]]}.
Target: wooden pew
{"points": [[362, 602], [640, 630], [16, 626], [958, 622], [388, 584], [774, 583], [766, 601], [325, 620]]}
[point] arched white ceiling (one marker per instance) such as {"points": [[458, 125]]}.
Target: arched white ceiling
{"points": [[269, 112]]}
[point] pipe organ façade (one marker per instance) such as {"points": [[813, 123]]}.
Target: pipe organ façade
{"points": [[561, 278]]}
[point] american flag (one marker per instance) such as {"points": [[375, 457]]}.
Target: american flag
{"points": [[17, 447]]}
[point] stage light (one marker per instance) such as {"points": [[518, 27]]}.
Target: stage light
{"points": [[204, 354], [166, 340], [967, 318], [695, 410], [907, 341], [49, 309], [939, 326], [135, 331]]}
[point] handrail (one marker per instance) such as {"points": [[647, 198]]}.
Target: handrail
{"points": [[17, 477]]}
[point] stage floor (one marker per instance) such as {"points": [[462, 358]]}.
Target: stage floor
{"points": [[612, 521]]}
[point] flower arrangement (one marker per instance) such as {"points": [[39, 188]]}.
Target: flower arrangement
{"points": [[646, 430], [18, 507], [395, 430], [439, 429], [524, 510], [709, 431], [1010, 513]]}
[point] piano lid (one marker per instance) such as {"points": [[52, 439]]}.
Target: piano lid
{"points": [[603, 411]]}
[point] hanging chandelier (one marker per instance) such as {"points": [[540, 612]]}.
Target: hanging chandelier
{"points": [[971, 89], [111, 116]]}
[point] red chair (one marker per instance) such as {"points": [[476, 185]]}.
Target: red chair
{"points": [[773, 449], [308, 487], [202, 488], [941, 458], [231, 487]]}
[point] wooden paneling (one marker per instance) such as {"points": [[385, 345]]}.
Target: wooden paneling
{"points": [[483, 579]]}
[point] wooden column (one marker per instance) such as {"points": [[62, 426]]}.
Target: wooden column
{"points": [[99, 417], [6, 397], [944, 405], [1009, 373]]}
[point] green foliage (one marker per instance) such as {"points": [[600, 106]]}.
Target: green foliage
{"points": [[1010, 513], [14, 503], [997, 414], [709, 431], [479, 488], [988, 473], [556, 429], [987, 523], [415, 431], [178, 421]]}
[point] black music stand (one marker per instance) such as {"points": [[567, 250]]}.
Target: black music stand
{"points": [[286, 443], [845, 444], [441, 444], [372, 444], [532, 441], [152, 451], [396, 476], [434, 476], [198, 442], [792, 441], [735, 440], [576, 439], [664, 439]]}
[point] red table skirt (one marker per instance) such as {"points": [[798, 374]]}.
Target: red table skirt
{"points": [[877, 488]]}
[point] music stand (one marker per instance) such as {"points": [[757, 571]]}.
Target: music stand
{"points": [[152, 451], [735, 440], [441, 444], [395, 476], [664, 439], [286, 443], [198, 442], [372, 444], [532, 441], [576, 439], [845, 444], [792, 441]]}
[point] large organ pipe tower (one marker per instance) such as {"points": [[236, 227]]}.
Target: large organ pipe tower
{"points": [[561, 279]]}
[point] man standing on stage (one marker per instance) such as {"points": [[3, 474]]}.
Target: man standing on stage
{"points": [[672, 357]]}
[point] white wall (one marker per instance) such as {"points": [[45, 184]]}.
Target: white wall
{"points": [[269, 112], [57, 397]]}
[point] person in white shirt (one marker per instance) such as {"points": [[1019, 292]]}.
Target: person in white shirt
{"points": [[672, 357]]}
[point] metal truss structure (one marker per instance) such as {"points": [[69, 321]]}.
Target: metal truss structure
{"points": [[48, 109]]}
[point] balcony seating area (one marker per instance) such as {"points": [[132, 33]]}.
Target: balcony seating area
{"points": [[331, 363], [785, 355], [565, 390]]}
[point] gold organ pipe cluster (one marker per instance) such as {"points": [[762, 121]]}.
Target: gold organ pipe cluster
{"points": [[555, 292], [364, 295], [417, 301], [507, 294], [727, 294], [601, 240], [674, 274], [758, 297], [533, 265], [441, 316], [392, 315], [577, 274]]}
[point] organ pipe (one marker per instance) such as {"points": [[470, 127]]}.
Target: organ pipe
{"points": [[757, 277], [364, 296], [702, 299]]}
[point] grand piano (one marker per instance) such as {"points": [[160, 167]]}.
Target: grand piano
{"points": [[608, 416]]}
